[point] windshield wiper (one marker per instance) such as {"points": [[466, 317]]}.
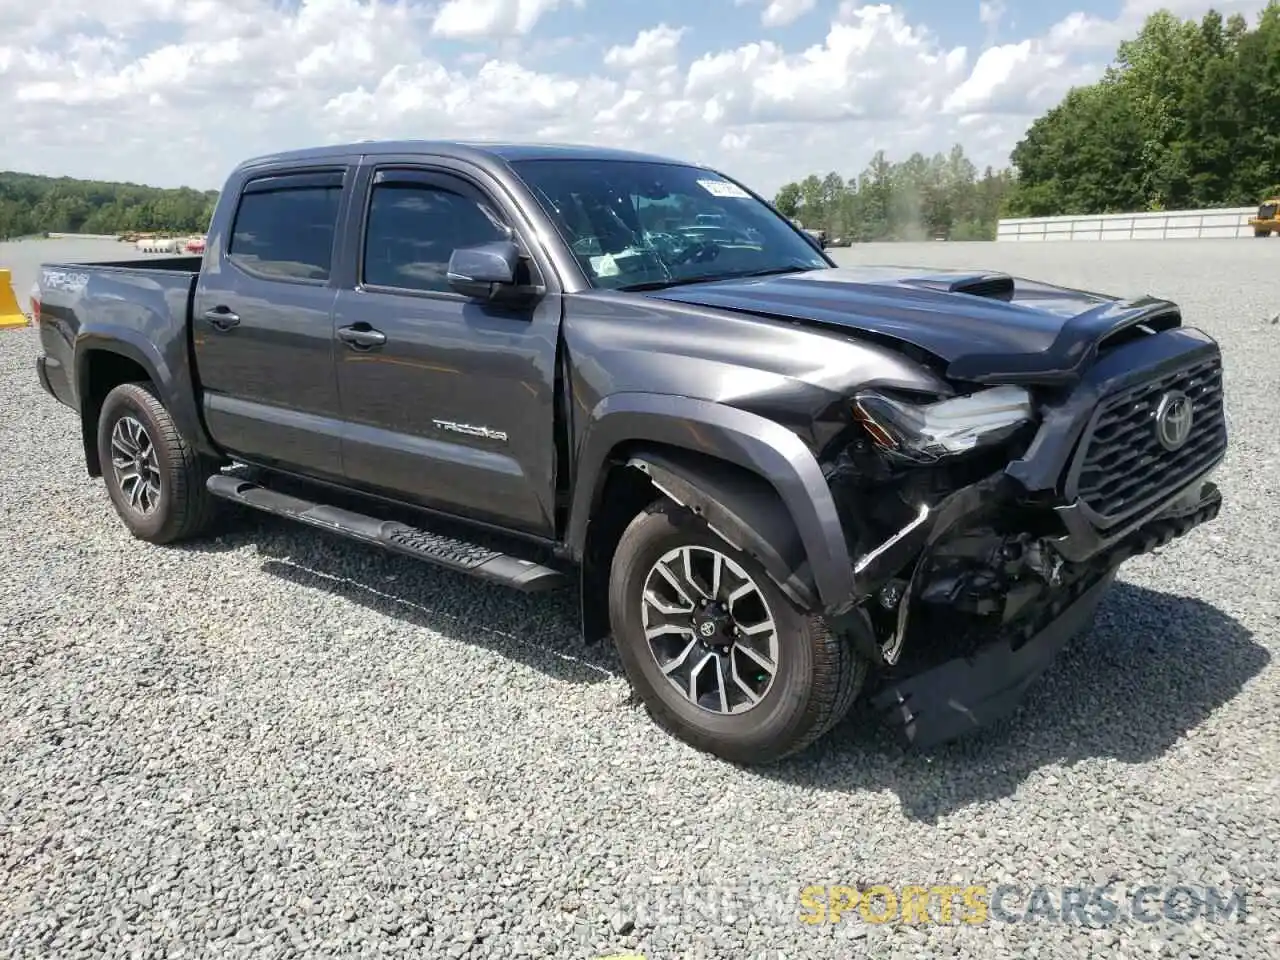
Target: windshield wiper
{"points": [[710, 277], [771, 271], [676, 282]]}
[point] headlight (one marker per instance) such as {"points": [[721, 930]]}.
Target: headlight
{"points": [[927, 432]]}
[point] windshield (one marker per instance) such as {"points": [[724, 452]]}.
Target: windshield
{"points": [[636, 224]]}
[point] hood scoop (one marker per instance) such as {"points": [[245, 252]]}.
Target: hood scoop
{"points": [[991, 286]]}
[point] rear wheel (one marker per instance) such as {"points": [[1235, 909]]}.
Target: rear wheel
{"points": [[1262, 233], [720, 657], [156, 481]]}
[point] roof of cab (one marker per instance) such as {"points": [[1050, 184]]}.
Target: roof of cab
{"points": [[474, 150]]}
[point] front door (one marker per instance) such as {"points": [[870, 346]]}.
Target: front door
{"points": [[448, 402], [262, 324]]}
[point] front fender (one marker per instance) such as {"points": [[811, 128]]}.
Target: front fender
{"points": [[741, 508], [626, 421]]}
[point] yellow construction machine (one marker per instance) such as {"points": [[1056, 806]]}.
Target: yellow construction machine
{"points": [[1268, 219]]}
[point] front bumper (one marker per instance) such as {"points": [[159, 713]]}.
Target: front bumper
{"points": [[949, 700], [1008, 568]]}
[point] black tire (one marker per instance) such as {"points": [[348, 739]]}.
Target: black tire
{"points": [[184, 508], [1262, 233], [818, 674]]}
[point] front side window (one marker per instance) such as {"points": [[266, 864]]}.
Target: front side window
{"points": [[413, 229], [635, 224], [287, 232]]}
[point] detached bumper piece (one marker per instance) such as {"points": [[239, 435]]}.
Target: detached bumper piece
{"points": [[945, 702], [960, 696]]}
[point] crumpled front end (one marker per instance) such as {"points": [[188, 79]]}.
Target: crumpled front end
{"points": [[982, 553]]}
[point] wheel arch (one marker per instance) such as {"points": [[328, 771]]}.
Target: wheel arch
{"points": [[99, 369], [751, 480]]}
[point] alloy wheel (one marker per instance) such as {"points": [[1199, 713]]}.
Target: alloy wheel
{"points": [[136, 466], [709, 628]]}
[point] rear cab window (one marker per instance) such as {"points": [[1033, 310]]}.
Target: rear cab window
{"points": [[285, 225]]}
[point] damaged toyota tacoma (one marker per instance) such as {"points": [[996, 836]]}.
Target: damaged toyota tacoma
{"points": [[776, 483]]}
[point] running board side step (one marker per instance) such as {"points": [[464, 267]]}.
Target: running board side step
{"points": [[461, 556]]}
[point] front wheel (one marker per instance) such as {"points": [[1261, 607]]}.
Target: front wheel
{"points": [[155, 480], [719, 655], [1262, 233]]}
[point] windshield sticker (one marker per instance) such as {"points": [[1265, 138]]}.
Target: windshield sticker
{"points": [[723, 188], [605, 266]]}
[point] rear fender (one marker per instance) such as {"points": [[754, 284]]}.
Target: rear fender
{"points": [[174, 388]]}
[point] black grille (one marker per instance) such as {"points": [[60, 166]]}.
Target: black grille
{"points": [[1124, 467]]}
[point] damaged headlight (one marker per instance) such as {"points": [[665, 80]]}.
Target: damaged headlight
{"points": [[924, 433]]}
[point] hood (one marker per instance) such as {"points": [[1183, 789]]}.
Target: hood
{"points": [[985, 327]]}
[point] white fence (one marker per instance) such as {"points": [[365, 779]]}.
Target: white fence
{"points": [[1173, 225]]}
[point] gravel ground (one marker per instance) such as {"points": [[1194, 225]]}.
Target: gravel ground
{"points": [[280, 744]]}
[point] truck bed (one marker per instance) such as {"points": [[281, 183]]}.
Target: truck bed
{"points": [[143, 303]]}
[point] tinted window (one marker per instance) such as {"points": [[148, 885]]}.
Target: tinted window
{"points": [[413, 230], [633, 222], [287, 233]]}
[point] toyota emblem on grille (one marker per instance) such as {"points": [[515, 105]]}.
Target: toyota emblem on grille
{"points": [[1173, 419]]}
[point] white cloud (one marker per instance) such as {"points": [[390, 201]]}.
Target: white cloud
{"points": [[991, 16], [779, 13], [178, 91], [1082, 31], [651, 48], [1018, 79], [483, 19], [872, 64], [501, 100]]}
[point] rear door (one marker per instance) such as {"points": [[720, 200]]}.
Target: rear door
{"points": [[454, 407], [262, 321]]}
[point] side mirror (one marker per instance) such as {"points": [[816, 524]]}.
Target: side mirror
{"points": [[483, 271]]}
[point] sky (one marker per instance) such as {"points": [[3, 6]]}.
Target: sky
{"points": [[176, 92]]}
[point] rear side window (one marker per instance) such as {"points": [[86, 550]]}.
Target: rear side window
{"points": [[413, 229], [287, 231]]}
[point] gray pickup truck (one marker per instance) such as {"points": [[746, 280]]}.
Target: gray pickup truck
{"points": [[776, 483]]}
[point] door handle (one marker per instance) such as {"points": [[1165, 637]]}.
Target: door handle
{"points": [[361, 336], [222, 318]]}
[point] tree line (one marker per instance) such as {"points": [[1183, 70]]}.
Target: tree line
{"points": [[1186, 117], [32, 204], [916, 199]]}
